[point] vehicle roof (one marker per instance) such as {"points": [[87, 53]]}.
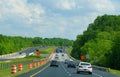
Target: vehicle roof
{"points": [[54, 60], [84, 62]]}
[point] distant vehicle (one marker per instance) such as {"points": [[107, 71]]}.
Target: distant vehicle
{"points": [[71, 60], [57, 51], [54, 63], [61, 50], [62, 54], [71, 64], [56, 57], [66, 61], [84, 67]]}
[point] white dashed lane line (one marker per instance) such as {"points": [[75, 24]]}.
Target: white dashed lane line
{"points": [[69, 74]]}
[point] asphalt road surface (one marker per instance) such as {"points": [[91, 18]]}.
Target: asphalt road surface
{"points": [[63, 71], [22, 54]]}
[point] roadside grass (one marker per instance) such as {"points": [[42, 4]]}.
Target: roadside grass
{"points": [[47, 50], [6, 70], [68, 50], [115, 72], [5, 66]]}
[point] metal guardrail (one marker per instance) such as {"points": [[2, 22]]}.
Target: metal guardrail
{"points": [[101, 68], [4, 66], [94, 66]]}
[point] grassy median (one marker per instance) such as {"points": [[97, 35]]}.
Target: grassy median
{"points": [[5, 66], [68, 50]]}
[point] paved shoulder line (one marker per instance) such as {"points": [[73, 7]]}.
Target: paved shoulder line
{"points": [[97, 75], [40, 71]]}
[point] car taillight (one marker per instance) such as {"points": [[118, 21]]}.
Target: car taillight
{"points": [[90, 67], [80, 66]]}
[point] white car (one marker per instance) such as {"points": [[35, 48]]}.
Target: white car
{"points": [[84, 67]]}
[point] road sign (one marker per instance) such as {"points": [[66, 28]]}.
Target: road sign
{"points": [[38, 53], [82, 57]]}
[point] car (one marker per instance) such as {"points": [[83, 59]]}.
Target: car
{"points": [[66, 61], [56, 57], [62, 54], [84, 67], [61, 50], [71, 64], [54, 63]]}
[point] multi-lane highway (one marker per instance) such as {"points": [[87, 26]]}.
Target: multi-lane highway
{"points": [[62, 70], [21, 54]]}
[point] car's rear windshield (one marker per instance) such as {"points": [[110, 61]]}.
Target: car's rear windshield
{"points": [[85, 64], [54, 61]]}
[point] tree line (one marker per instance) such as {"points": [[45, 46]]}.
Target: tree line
{"points": [[10, 44], [100, 43]]}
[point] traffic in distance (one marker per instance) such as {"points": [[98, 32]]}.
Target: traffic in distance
{"points": [[81, 67], [62, 65]]}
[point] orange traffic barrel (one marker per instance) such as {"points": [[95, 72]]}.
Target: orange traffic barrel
{"points": [[29, 65], [34, 64], [13, 69], [20, 67], [38, 64]]}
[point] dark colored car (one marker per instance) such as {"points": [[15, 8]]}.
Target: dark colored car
{"points": [[66, 61], [71, 64], [56, 57], [62, 54], [54, 63]]}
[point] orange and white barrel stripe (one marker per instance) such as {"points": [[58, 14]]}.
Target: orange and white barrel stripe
{"points": [[13, 69], [20, 67]]}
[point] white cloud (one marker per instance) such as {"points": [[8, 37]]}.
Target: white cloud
{"points": [[51, 18], [102, 5], [13, 7], [66, 4], [20, 9]]}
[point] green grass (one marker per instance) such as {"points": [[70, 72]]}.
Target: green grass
{"points": [[5, 71], [115, 72], [47, 50], [69, 50]]}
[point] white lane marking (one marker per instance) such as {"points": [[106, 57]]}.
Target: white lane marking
{"points": [[97, 75], [69, 74]]}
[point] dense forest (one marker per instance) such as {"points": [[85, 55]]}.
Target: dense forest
{"points": [[10, 44], [100, 43]]}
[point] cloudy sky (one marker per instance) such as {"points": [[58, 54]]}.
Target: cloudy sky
{"points": [[52, 18]]}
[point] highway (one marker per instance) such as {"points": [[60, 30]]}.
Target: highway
{"points": [[21, 54], [62, 70]]}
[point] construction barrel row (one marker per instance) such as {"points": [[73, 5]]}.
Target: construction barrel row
{"points": [[30, 66]]}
